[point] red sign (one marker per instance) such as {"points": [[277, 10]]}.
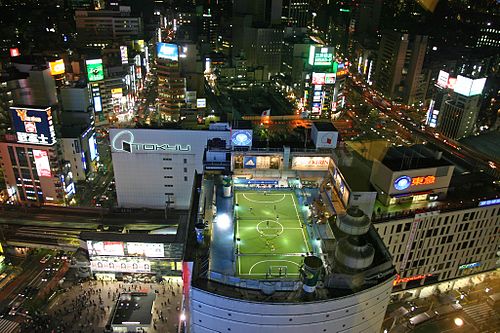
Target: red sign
{"points": [[410, 278], [14, 52], [424, 180]]}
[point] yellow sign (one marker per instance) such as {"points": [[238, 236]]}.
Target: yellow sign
{"points": [[57, 67]]}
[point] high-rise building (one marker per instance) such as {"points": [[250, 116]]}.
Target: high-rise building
{"points": [[34, 170], [455, 106], [296, 13], [105, 26], [399, 64], [171, 85]]}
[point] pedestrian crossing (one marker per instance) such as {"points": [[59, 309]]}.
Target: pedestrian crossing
{"points": [[8, 326], [482, 313]]}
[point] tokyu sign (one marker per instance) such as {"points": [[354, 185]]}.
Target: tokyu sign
{"points": [[124, 142]]}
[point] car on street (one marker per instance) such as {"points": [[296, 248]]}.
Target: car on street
{"points": [[45, 258]]}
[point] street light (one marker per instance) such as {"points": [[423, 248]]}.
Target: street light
{"points": [[458, 321]]}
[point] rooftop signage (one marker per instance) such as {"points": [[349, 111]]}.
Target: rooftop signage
{"points": [[124, 142], [403, 182]]}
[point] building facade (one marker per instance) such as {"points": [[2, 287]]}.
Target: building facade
{"points": [[156, 168]]}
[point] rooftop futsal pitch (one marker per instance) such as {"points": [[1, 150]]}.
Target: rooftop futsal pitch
{"points": [[271, 239]]}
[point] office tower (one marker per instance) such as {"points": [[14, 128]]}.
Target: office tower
{"points": [[296, 13], [105, 26], [399, 65]]}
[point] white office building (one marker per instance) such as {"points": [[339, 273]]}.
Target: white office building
{"points": [[155, 168]]}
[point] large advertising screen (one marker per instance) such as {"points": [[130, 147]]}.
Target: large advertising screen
{"points": [[330, 78], [122, 249], [33, 125], [57, 67], [99, 248], [42, 163], [257, 162], [320, 56], [95, 70], [167, 51], [310, 163]]}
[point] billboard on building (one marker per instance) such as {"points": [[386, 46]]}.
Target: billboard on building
{"points": [[241, 137], [93, 147], [469, 87], [103, 248], [320, 56], [95, 70], [33, 125], [124, 265], [330, 78], [442, 79], [201, 103], [57, 67], [318, 78], [124, 54], [167, 51], [42, 163], [307, 163], [14, 52]]}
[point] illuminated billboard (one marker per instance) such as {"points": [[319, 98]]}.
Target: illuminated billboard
{"points": [[135, 249], [201, 102], [124, 265], [14, 52], [167, 51], [93, 147], [320, 56], [241, 138], [153, 250], [469, 87], [318, 78], [124, 54], [117, 93], [95, 70], [33, 125], [330, 78], [98, 248], [257, 162], [42, 163], [310, 163], [404, 182], [442, 79], [477, 87], [57, 67]]}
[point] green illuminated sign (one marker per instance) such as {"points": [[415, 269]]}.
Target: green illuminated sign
{"points": [[95, 70], [345, 10], [320, 56]]}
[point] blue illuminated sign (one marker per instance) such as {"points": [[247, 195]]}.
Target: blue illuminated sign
{"points": [[489, 202], [250, 162], [402, 183], [472, 265], [167, 51], [241, 137]]}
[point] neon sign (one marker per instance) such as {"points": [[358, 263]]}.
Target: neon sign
{"points": [[399, 280], [403, 182], [129, 146]]}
